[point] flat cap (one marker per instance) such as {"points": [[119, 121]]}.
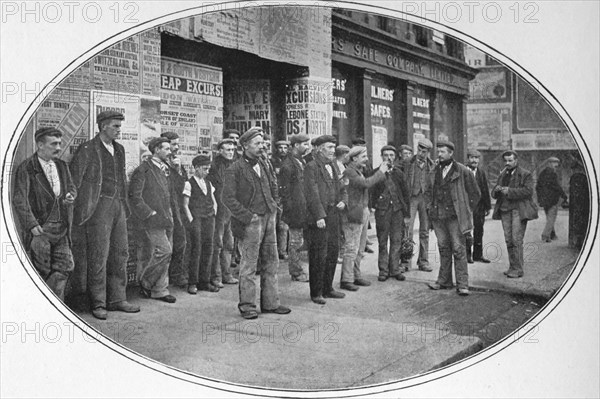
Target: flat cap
{"points": [[299, 138], [223, 142], [509, 152], [282, 142], [170, 135], [341, 149], [324, 139], [473, 153], [359, 141], [425, 143], [231, 131], [357, 150], [109, 115], [201, 160], [447, 144], [251, 133], [553, 159], [406, 147], [155, 142], [388, 148], [46, 131]]}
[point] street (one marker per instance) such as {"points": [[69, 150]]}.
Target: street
{"points": [[388, 331]]}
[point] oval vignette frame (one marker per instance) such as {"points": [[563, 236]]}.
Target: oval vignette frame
{"points": [[383, 387]]}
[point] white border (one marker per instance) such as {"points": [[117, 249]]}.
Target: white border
{"points": [[560, 51]]}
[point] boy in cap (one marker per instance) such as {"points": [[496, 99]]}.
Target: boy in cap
{"points": [[152, 203], [250, 193], [417, 170], [99, 215], [43, 197], [450, 197], [200, 206]]}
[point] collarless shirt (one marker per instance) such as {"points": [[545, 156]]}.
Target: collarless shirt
{"points": [[49, 168], [110, 147]]}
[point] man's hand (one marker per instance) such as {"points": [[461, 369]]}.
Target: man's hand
{"points": [[340, 206], [504, 190], [254, 218], [384, 167], [37, 231], [321, 223]]}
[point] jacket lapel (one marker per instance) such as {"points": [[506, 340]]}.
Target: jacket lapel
{"points": [[41, 178]]}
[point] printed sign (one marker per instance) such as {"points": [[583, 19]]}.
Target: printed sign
{"points": [[308, 107], [489, 126], [421, 115], [247, 104]]}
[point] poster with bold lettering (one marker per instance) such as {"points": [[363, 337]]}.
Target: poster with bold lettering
{"points": [[382, 112], [129, 106], [247, 103], [118, 67], [68, 111], [489, 126], [421, 115], [192, 106], [308, 106]]}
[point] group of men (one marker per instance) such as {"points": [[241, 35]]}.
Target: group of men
{"points": [[237, 202]]}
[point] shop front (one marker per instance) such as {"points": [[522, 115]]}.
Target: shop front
{"points": [[392, 92]]}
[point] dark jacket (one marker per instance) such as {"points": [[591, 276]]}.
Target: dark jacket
{"points": [[381, 201], [485, 202], [86, 170], [34, 198], [318, 186], [239, 191], [150, 190], [520, 193], [548, 189], [291, 190], [408, 168], [216, 176], [358, 191], [464, 191]]}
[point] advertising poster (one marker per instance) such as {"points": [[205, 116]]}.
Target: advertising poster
{"points": [[192, 106], [380, 140], [489, 85], [489, 126], [129, 106], [308, 106], [150, 47], [236, 28], [421, 114], [341, 102], [68, 111], [118, 68], [545, 140], [247, 103], [382, 110]]}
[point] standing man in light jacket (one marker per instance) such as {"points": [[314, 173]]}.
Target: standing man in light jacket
{"points": [[356, 219], [515, 207], [98, 171], [450, 197]]}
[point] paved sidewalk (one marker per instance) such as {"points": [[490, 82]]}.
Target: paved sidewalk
{"points": [[386, 332]]}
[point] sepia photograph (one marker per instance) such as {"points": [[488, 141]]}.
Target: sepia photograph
{"points": [[300, 199]]}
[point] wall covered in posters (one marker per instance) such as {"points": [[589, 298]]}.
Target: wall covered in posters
{"points": [[191, 106], [308, 107], [342, 103], [247, 103], [382, 114]]}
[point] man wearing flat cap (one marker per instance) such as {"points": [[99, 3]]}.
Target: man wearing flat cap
{"points": [[515, 207], [391, 200], [406, 153], [293, 202], [549, 195], [99, 214], [178, 176], [326, 198], [417, 169], [482, 209], [223, 238], [250, 192], [43, 198], [151, 202], [450, 197]]}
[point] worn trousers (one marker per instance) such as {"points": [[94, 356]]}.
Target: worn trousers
{"points": [[417, 205], [51, 256], [355, 235], [107, 253], [478, 222], [390, 227], [551, 214], [155, 273], [514, 231], [282, 236], [296, 267], [202, 231], [258, 249], [451, 244], [177, 267], [222, 250], [323, 250]]}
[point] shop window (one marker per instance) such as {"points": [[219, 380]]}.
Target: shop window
{"points": [[455, 48]]}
